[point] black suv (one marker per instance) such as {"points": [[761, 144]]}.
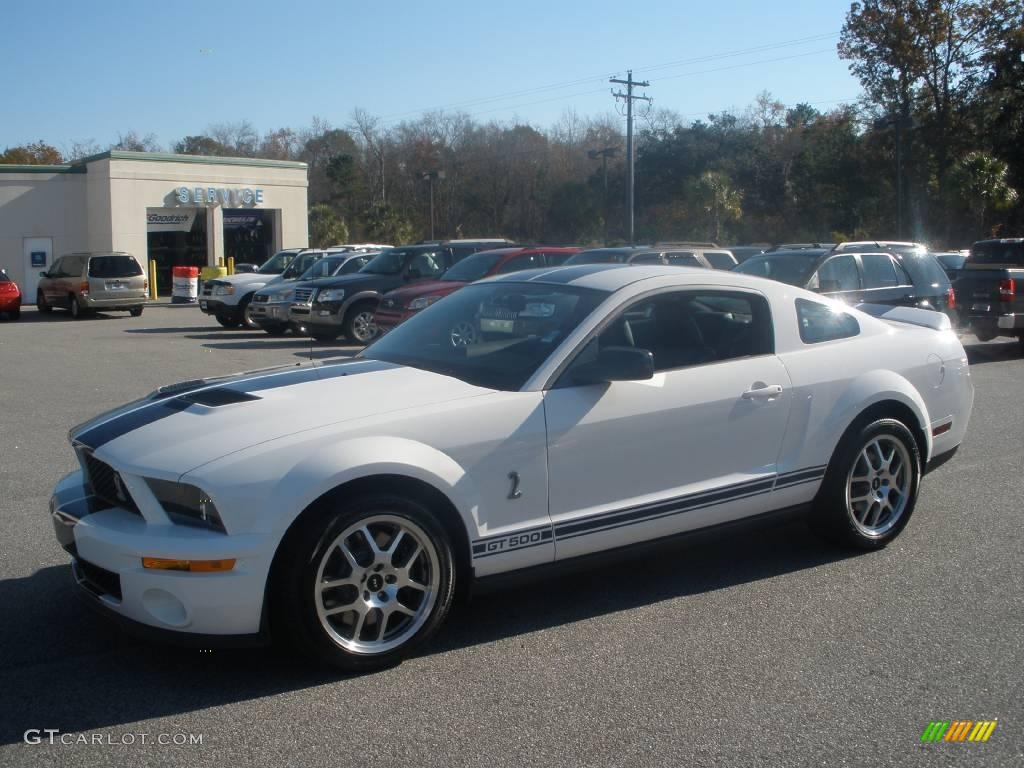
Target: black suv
{"points": [[909, 278], [345, 304]]}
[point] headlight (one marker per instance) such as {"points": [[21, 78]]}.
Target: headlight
{"points": [[186, 504], [423, 302], [223, 290], [331, 294]]}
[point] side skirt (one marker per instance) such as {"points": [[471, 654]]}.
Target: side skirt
{"points": [[486, 584]]}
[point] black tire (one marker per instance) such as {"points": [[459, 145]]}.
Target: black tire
{"points": [[227, 321], [243, 313], [136, 311], [355, 327], [331, 335], [834, 515], [310, 556], [75, 308], [14, 314], [276, 330], [41, 304]]}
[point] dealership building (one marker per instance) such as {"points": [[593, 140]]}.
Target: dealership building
{"points": [[176, 210]]}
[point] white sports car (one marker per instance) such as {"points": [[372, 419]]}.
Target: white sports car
{"points": [[523, 420]]}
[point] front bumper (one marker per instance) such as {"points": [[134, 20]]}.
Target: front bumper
{"points": [[319, 315], [270, 314], [108, 544]]}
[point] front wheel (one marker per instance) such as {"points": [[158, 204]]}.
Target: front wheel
{"points": [[871, 486], [359, 325], [41, 304], [227, 321], [360, 585], [247, 322]]}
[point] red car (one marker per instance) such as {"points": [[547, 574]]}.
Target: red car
{"points": [[10, 297], [399, 305]]}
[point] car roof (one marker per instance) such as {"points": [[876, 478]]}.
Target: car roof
{"points": [[806, 253], [612, 277]]}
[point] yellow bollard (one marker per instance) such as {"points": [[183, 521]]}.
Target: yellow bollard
{"points": [[152, 279], [231, 265]]}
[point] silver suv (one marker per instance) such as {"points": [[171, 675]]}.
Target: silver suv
{"points": [[84, 283]]}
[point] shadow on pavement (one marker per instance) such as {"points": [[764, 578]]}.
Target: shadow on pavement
{"points": [[66, 668], [993, 352]]}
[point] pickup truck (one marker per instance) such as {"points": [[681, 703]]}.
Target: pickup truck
{"points": [[990, 289]]}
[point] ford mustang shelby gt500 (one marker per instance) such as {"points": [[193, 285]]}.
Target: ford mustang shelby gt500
{"points": [[523, 420]]}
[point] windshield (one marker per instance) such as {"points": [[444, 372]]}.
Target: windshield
{"points": [[472, 267], [114, 266], [998, 253], [301, 263], [387, 263], [794, 269], [325, 267], [275, 264], [493, 335], [598, 257]]}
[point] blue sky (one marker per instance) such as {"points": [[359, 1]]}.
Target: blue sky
{"points": [[87, 70]]}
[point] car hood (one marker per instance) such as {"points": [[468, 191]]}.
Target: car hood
{"points": [[249, 277], [403, 296], [181, 427], [353, 280]]}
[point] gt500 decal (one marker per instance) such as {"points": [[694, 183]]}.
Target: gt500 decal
{"points": [[497, 545]]}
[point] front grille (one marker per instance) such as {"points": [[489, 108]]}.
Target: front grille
{"points": [[303, 295], [261, 298], [98, 580], [106, 483]]}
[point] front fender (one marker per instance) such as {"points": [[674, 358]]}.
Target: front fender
{"points": [[874, 387], [355, 298], [266, 490]]}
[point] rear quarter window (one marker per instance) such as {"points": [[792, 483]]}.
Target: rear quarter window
{"points": [[114, 266], [820, 322], [925, 270]]}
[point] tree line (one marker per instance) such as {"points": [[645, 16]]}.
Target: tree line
{"points": [[932, 151]]}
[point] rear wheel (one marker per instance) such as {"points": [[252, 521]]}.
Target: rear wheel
{"points": [[76, 309], [247, 321], [871, 486], [135, 311], [360, 585], [359, 325], [15, 314], [41, 304]]}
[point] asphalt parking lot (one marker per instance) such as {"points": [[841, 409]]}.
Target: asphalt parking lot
{"points": [[758, 648]]}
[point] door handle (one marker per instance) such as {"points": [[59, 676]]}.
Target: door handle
{"points": [[764, 392]]}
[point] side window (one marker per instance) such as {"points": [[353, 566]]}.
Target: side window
{"points": [[648, 258], [819, 322], [519, 263], [837, 274], [720, 259], [556, 259], [428, 264], [693, 327], [459, 252], [73, 266], [354, 265], [901, 274], [57, 266], [879, 271], [683, 259]]}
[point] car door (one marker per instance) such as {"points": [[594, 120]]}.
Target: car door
{"points": [[67, 282], [48, 285], [838, 277], [885, 281], [694, 446]]}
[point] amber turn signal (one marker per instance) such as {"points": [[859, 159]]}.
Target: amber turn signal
{"points": [[193, 566]]}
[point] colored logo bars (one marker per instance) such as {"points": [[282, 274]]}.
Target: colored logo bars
{"points": [[959, 730]]}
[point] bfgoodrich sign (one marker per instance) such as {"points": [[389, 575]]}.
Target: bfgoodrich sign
{"points": [[218, 196]]}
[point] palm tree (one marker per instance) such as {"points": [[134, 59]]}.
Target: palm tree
{"points": [[981, 180], [720, 202]]}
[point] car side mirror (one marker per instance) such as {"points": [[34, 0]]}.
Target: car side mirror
{"points": [[44, 274], [413, 274], [616, 364]]}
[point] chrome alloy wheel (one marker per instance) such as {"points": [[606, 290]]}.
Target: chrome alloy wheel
{"points": [[878, 485], [363, 328], [377, 584], [463, 334]]}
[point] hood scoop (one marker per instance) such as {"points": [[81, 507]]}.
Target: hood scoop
{"points": [[214, 398]]}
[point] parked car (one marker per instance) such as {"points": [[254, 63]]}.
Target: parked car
{"points": [[991, 289], [675, 255], [744, 252], [890, 246], [10, 297], [346, 304], [628, 254], [912, 279], [84, 283], [343, 506], [800, 247], [399, 305], [951, 262], [270, 307], [228, 298]]}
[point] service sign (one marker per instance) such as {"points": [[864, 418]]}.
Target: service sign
{"points": [[228, 196]]}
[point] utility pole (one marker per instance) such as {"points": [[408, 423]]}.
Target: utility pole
{"points": [[629, 98], [604, 154], [431, 175]]}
